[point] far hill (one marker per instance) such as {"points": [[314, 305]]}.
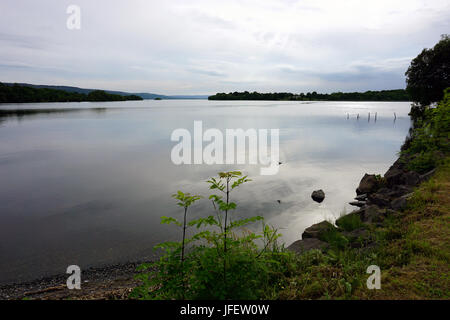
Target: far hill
{"points": [[143, 95], [25, 94]]}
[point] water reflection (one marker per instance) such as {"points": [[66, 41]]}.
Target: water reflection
{"points": [[89, 188]]}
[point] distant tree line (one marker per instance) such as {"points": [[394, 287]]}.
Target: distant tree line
{"points": [[21, 94], [384, 95]]}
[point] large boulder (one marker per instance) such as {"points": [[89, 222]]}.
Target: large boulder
{"points": [[400, 203], [381, 199], [307, 244], [316, 230], [394, 176], [411, 178], [400, 190], [368, 184], [318, 195]]}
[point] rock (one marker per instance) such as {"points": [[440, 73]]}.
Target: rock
{"points": [[400, 190], [393, 176], [307, 244], [362, 197], [380, 199], [411, 178], [372, 214], [367, 185], [357, 203], [317, 229], [318, 195], [427, 175], [357, 233], [400, 203], [397, 166]]}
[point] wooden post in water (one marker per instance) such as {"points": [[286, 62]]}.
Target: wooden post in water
{"points": [[368, 118], [376, 113]]}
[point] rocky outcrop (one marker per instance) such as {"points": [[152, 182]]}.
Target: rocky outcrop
{"points": [[311, 238], [377, 198], [357, 203], [368, 184], [301, 246], [318, 195], [317, 229], [400, 203]]}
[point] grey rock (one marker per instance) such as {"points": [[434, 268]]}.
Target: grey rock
{"points": [[317, 229], [380, 199], [361, 197], [301, 246], [393, 176], [400, 203], [357, 233], [400, 190], [318, 195], [411, 178], [357, 203], [367, 185], [427, 175]]}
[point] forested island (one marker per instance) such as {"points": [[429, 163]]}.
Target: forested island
{"points": [[23, 94], [384, 95]]}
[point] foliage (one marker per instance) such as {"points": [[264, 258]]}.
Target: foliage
{"points": [[223, 260], [384, 95], [429, 141], [22, 94], [349, 222], [334, 238], [429, 73]]}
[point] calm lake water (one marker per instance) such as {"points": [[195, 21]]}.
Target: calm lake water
{"points": [[89, 187]]}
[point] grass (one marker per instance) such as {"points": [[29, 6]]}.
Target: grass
{"points": [[412, 249], [349, 222]]}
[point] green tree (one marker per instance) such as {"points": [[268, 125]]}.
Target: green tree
{"points": [[428, 75]]}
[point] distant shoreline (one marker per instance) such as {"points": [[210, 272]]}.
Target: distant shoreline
{"points": [[400, 95]]}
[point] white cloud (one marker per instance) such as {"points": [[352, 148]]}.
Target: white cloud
{"points": [[181, 47]]}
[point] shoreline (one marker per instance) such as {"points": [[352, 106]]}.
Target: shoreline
{"points": [[108, 282]]}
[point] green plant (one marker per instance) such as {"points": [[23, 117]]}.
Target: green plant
{"points": [[349, 222], [429, 142], [224, 260], [334, 238]]}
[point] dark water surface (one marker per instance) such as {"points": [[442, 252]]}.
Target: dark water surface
{"points": [[89, 187]]}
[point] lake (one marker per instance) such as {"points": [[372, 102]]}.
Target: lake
{"points": [[88, 187]]}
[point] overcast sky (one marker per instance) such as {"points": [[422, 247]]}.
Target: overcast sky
{"points": [[204, 47]]}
